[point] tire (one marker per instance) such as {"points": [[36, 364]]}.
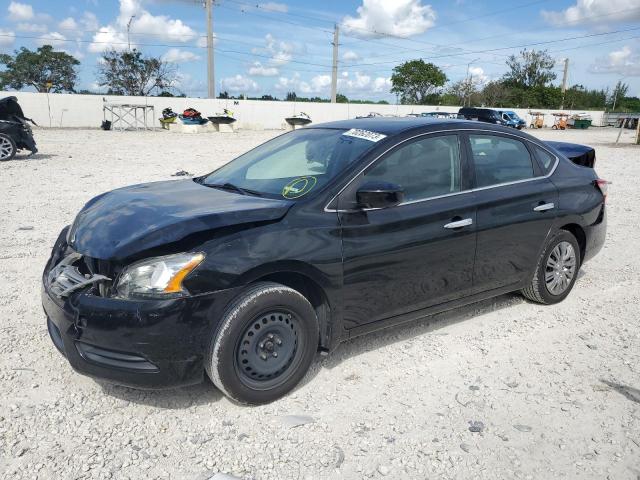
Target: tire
{"points": [[554, 127], [540, 290], [8, 148], [264, 345]]}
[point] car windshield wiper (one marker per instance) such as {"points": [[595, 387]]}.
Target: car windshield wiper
{"points": [[235, 188]]}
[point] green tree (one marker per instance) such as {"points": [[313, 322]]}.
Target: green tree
{"points": [[532, 68], [44, 69], [130, 73], [417, 81], [340, 98], [618, 94], [494, 94]]}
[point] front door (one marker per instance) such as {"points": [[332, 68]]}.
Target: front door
{"points": [[419, 253]]}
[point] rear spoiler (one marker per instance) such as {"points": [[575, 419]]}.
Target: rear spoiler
{"points": [[578, 154]]}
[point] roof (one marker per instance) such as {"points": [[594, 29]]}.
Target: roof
{"points": [[394, 125]]}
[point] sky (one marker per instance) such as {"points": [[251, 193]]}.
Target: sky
{"points": [[272, 47]]}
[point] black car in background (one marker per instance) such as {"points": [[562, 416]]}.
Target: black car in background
{"points": [[486, 115], [312, 238], [15, 132]]}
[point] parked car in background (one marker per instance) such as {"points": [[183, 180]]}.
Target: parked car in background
{"points": [[486, 115], [15, 132], [313, 238], [512, 119]]}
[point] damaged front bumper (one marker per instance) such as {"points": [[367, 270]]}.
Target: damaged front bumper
{"points": [[138, 343]]}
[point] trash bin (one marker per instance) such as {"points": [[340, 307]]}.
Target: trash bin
{"points": [[581, 123]]}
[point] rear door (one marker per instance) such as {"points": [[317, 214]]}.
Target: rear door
{"points": [[416, 254], [516, 209]]}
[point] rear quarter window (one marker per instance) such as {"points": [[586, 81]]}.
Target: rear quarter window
{"points": [[545, 159]]}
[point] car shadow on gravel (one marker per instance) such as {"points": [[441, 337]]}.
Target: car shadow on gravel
{"points": [[428, 325], [172, 399], [30, 158]]}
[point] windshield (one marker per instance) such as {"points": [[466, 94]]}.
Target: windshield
{"points": [[512, 116], [295, 164]]}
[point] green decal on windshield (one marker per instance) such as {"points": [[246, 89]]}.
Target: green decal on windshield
{"points": [[298, 187]]}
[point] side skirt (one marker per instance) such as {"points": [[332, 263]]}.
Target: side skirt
{"points": [[419, 314]]}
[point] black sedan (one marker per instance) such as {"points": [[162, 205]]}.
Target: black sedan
{"points": [[312, 238]]}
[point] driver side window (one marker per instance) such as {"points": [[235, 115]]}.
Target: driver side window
{"points": [[424, 168]]}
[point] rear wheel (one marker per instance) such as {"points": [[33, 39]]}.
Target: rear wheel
{"points": [[265, 344], [7, 147], [556, 271]]}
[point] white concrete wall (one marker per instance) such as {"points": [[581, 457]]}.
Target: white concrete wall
{"points": [[69, 110]]}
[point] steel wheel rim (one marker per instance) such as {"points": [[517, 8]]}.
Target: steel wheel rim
{"points": [[6, 149], [560, 268], [268, 350]]}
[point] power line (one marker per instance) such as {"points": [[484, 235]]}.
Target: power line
{"points": [[532, 44]]}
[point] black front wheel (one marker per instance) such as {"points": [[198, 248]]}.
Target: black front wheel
{"points": [[264, 345]]}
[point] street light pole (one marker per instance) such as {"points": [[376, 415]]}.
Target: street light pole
{"points": [[128, 30], [211, 80], [468, 76]]}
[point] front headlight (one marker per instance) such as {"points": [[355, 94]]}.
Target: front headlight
{"points": [[158, 277]]}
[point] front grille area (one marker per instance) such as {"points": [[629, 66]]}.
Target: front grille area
{"points": [[109, 358], [67, 277]]}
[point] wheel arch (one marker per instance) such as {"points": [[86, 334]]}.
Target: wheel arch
{"points": [[581, 237], [306, 280]]}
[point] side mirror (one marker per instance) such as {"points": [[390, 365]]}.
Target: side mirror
{"points": [[379, 195]]}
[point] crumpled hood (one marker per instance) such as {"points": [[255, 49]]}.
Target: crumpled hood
{"points": [[123, 222]]}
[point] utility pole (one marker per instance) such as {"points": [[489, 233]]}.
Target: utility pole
{"points": [[128, 29], [564, 80], [334, 69], [211, 78]]}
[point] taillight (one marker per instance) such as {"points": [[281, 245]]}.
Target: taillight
{"points": [[603, 186]]}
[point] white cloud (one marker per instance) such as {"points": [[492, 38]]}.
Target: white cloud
{"points": [[280, 52], [361, 83], [31, 27], [595, 11], [108, 38], [259, 70], [7, 37], [239, 84], [89, 21], [625, 62], [55, 39], [274, 7], [403, 18], [143, 23], [350, 56], [68, 23], [478, 76], [20, 11], [176, 55], [358, 84]]}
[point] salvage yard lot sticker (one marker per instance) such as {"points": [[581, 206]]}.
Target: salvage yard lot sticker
{"points": [[365, 134]]}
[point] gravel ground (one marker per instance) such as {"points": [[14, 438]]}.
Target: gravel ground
{"points": [[551, 392]]}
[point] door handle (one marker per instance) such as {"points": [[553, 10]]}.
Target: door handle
{"points": [[544, 207], [459, 223]]}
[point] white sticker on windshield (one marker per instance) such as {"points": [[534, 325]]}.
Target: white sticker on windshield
{"points": [[365, 134]]}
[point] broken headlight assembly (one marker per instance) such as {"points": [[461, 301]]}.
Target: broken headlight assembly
{"points": [[158, 277]]}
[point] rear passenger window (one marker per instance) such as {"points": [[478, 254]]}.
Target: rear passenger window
{"points": [[424, 168], [546, 159], [499, 160]]}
